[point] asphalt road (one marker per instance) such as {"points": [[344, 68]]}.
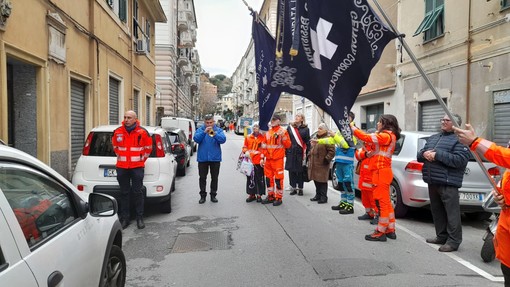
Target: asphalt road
{"points": [[300, 243]]}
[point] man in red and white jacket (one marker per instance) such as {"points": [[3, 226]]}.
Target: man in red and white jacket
{"points": [[132, 144]]}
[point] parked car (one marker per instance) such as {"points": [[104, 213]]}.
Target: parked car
{"points": [[409, 190], [95, 170], [52, 234], [180, 148], [186, 125]]}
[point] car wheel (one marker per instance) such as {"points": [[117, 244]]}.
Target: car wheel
{"points": [[166, 206], [334, 179], [114, 273], [189, 162], [488, 253], [172, 188], [478, 216], [181, 171], [396, 200]]}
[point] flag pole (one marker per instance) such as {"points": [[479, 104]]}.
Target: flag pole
{"points": [[436, 94]]}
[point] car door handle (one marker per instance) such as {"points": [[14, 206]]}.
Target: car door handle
{"points": [[55, 278]]}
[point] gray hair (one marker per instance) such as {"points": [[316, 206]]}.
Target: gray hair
{"points": [[255, 126], [323, 126], [208, 117], [458, 119]]}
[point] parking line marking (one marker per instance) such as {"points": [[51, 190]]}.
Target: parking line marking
{"points": [[466, 264]]}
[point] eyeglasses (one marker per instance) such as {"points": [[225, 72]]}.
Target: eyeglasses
{"points": [[445, 120]]}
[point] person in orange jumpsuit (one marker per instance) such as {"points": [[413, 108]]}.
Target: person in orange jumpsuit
{"points": [[365, 183], [384, 140], [500, 156], [133, 145], [252, 149], [277, 140]]}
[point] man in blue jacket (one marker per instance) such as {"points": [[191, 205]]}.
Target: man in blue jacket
{"points": [[209, 137], [444, 161]]}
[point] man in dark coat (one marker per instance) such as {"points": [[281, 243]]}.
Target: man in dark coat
{"points": [[296, 154], [444, 161]]}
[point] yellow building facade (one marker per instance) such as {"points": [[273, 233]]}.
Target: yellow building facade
{"points": [[68, 66]]}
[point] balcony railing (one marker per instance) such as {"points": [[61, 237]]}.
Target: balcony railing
{"points": [[185, 39], [183, 22], [183, 57]]}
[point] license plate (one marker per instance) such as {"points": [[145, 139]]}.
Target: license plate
{"points": [[471, 196], [110, 172]]}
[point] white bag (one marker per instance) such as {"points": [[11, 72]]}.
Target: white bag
{"points": [[246, 167]]}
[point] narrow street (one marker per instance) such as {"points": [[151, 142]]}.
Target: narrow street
{"points": [[300, 243]]}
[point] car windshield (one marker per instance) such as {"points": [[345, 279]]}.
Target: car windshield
{"points": [[174, 138], [101, 144]]}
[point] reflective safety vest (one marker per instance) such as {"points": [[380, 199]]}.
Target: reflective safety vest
{"points": [[277, 140], [132, 148], [253, 144], [383, 144], [344, 155]]}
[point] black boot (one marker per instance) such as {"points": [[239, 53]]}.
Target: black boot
{"points": [[124, 223], [139, 223], [202, 199], [213, 198], [300, 192], [293, 192]]}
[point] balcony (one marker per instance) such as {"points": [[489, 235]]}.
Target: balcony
{"points": [[194, 56], [186, 70], [183, 23], [183, 57], [185, 40]]}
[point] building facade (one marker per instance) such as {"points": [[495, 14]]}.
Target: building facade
{"points": [[177, 61], [464, 48], [71, 66]]}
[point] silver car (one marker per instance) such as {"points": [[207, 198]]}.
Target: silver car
{"points": [[409, 190]]}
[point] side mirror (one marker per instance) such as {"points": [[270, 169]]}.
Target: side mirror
{"points": [[102, 205]]}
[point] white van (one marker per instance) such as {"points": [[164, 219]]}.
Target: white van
{"points": [[187, 125]]}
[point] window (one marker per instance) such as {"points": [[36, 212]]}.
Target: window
{"points": [[41, 204], [135, 19], [505, 4], [119, 7], [433, 23], [148, 35]]}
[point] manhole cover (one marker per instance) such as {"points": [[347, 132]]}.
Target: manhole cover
{"points": [[201, 241], [341, 268], [189, 218]]}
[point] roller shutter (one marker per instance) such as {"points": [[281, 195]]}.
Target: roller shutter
{"points": [[430, 114], [501, 130], [148, 111], [113, 98], [77, 120]]}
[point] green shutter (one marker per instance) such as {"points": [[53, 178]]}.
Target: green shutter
{"points": [[429, 20], [123, 10]]}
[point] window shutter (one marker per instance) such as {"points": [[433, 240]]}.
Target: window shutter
{"points": [[123, 10]]}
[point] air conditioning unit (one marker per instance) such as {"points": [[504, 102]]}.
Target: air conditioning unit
{"points": [[141, 47]]}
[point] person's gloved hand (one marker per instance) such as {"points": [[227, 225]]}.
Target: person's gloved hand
{"points": [[247, 154]]}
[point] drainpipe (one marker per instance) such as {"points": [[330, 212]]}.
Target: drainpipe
{"points": [[468, 67]]}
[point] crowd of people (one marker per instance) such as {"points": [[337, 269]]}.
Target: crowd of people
{"points": [[444, 157]]}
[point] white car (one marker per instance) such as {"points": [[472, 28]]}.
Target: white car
{"points": [[95, 170], [50, 233]]}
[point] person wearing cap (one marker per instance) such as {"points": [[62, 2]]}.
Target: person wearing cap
{"points": [[252, 149], [277, 140]]}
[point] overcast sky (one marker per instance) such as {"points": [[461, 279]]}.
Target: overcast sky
{"points": [[224, 32]]}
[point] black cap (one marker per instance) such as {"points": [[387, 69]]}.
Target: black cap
{"points": [[276, 117]]}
